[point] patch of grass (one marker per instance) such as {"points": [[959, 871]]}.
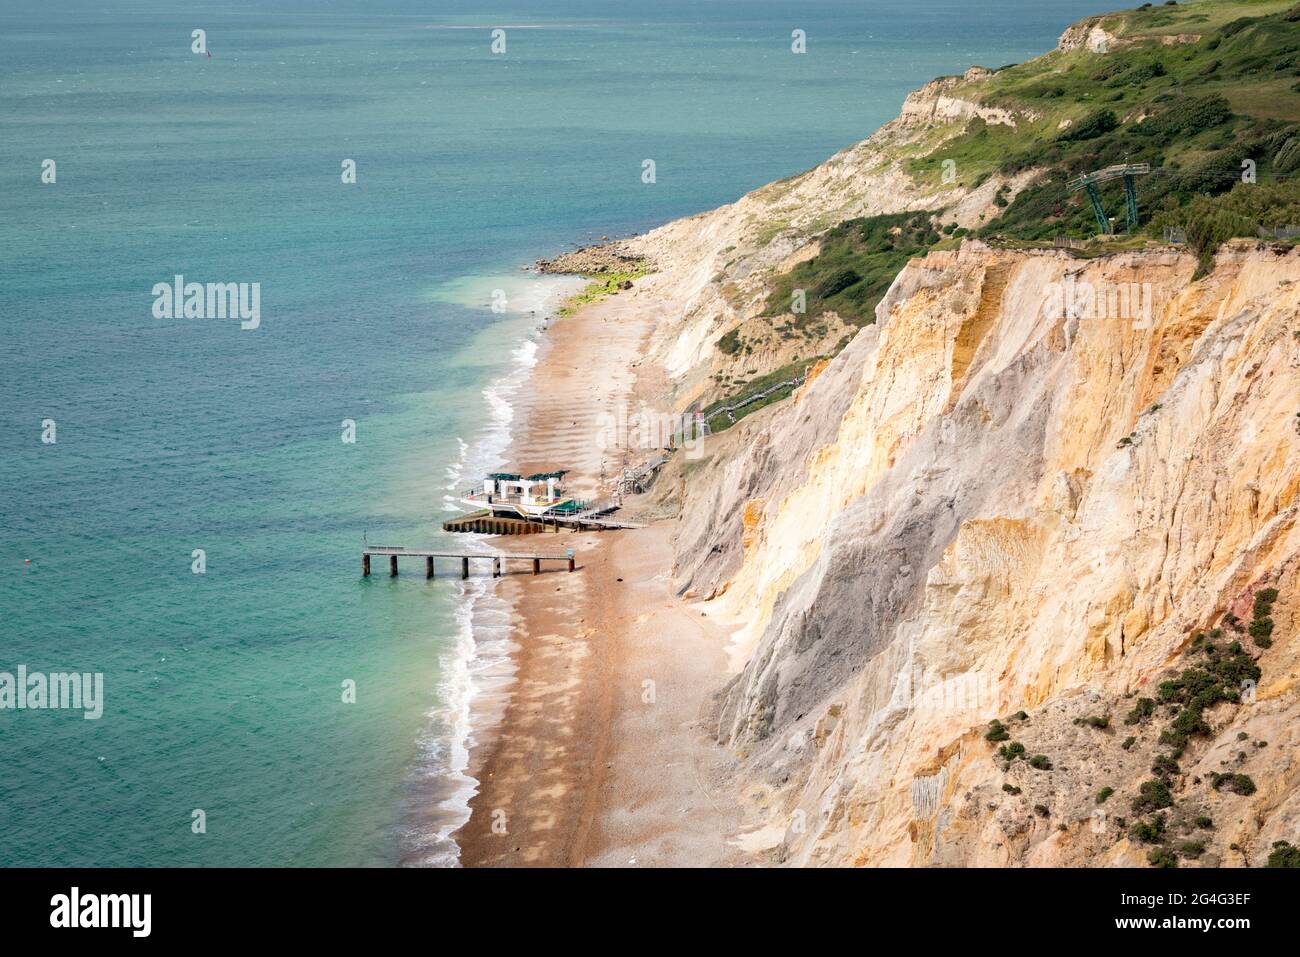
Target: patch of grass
{"points": [[857, 262], [601, 285], [744, 401], [1194, 111], [770, 231]]}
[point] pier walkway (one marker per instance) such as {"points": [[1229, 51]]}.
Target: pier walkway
{"points": [[399, 551]]}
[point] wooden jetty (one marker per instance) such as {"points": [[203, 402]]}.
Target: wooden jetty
{"points": [[398, 551]]}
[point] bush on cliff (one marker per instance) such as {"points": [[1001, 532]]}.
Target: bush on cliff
{"points": [[1149, 832], [1152, 796], [1090, 127], [1284, 854], [854, 268]]}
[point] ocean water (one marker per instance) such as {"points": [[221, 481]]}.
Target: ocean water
{"points": [[223, 690]]}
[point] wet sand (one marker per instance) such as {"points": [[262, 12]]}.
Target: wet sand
{"points": [[604, 753]]}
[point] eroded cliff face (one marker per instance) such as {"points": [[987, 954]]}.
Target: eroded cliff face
{"points": [[1026, 494], [986, 504], [715, 268]]}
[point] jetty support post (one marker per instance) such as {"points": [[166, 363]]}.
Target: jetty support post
{"points": [[464, 568], [392, 565], [365, 563], [496, 568], [428, 566], [570, 563], [537, 565]]}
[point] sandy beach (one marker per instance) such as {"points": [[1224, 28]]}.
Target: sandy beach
{"points": [[603, 752]]}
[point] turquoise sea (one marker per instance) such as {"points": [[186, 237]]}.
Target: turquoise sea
{"points": [[223, 689]]}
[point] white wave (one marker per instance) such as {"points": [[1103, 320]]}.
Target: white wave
{"points": [[478, 667]]}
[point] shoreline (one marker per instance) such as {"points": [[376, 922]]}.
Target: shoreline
{"points": [[477, 670], [561, 771]]}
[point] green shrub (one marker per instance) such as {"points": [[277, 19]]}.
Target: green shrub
{"points": [[1199, 688], [1012, 751], [1261, 629], [836, 282], [1236, 783], [1010, 789], [1204, 822], [1104, 794], [1152, 796], [1284, 854], [1162, 857], [1164, 767], [1149, 832], [1192, 849], [1040, 763], [1216, 173], [855, 265], [1187, 117], [1144, 708], [1265, 597], [1209, 221], [1090, 127], [996, 731], [1261, 626]]}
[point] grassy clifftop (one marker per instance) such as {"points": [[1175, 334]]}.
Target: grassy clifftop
{"points": [[1207, 93]]}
